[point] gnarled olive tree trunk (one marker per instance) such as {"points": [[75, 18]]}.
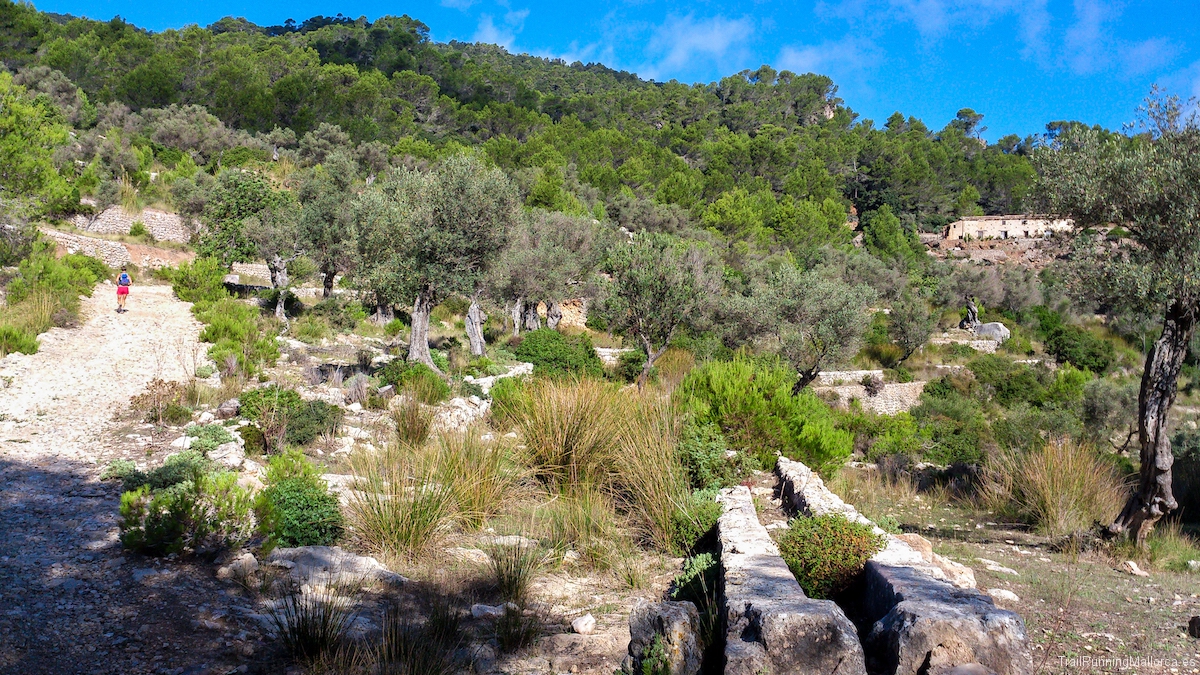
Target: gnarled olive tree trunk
{"points": [[418, 343], [328, 274], [1154, 498], [277, 266], [517, 311], [553, 314], [532, 320], [475, 319]]}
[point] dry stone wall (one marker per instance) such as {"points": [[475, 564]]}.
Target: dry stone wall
{"points": [[162, 225], [894, 398], [114, 253]]}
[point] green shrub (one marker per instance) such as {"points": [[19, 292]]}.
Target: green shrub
{"points": [[125, 471], [208, 437], [509, 399], [953, 423], [307, 423], [416, 378], [200, 281], [394, 328], [698, 583], [235, 330], [753, 405], [271, 399], [704, 454], [295, 508], [13, 339], [826, 553], [695, 518], [310, 329], [629, 366], [277, 409], [553, 353], [204, 513], [138, 229], [341, 314]]}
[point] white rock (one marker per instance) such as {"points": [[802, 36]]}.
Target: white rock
{"points": [[487, 611], [230, 455], [571, 557], [1193, 565], [508, 540], [584, 625], [993, 566], [471, 555], [354, 407], [1132, 567], [239, 567], [207, 417], [183, 442], [1003, 594]]}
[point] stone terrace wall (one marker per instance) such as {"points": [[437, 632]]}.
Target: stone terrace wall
{"points": [[161, 225], [114, 253], [895, 398]]}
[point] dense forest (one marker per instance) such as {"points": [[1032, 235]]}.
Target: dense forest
{"points": [[772, 157]]}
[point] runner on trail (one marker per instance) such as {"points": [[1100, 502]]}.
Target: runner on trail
{"points": [[123, 284]]}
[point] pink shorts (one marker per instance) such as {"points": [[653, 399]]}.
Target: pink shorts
{"points": [[122, 290]]}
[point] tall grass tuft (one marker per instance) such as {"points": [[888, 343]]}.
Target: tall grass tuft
{"points": [[411, 648], [1060, 488], [649, 479], [398, 505], [313, 625], [570, 429], [482, 475], [582, 518], [514, 566], [1170, 548], [413, 421]]}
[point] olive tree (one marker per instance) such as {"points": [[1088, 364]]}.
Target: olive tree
{"points": [[659, 284], [427, 236], [275, 234], [549, 257], [1150, 185], [910, 324], [326, 219]]}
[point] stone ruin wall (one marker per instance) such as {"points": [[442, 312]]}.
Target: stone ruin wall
{"points": [[162, 225], [895, 398], [1004, 227]]}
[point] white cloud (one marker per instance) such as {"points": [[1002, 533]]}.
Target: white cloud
{"points": [[462, 5], [844, 56], [678, 43], [490, 33], [1185, 82]]}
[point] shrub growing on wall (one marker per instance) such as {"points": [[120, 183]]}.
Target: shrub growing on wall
{"points": [[826, 553]]}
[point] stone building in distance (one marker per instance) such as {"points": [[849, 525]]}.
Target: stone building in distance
{"points": [[1004, 227]]}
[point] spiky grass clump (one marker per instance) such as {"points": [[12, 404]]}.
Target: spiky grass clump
{"points": [[399, 506], [482, 475], [313, 625], [412, 419], [582, 519], [514, 567], [649, 479], [570, 429], [409, 647], [517, 630], [1060, 488]]}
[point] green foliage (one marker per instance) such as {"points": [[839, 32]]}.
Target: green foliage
{"points": [[753, 405], [826, 553], [311, 420], [236, 332], [13, 339], [694, 519], [703, 453], [200, 281], [553, 353], [206, 438], [295, 507], [417, 379], [30, 132], [629, 366], [886, 237], [1081, 348], [282, 409], [343, 315], [203, 512], [509, 399]]}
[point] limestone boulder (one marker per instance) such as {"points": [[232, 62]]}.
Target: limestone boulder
{"points": [[229, 409], [229, 455], [331, 565], [993, 331], [676, 624]]}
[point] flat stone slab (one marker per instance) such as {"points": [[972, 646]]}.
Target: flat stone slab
{"points": [[772, 626]]}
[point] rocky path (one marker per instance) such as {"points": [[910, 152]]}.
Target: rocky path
{"points": [[71, 601]]}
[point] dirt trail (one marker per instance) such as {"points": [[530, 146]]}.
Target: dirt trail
{"points": [[61, 398], [71, 600]]}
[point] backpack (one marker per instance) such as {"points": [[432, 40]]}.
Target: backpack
{"points": [[123, 280]]}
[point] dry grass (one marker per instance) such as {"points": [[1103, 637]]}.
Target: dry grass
{"points": [[570, 429], [399, 506], [874, 493], [1062, 487], [482, 476], [582, 519], [412, 420], [673, 366], [648, 479]]}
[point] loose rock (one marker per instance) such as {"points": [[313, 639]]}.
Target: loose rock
{"points": [[584, 625]]}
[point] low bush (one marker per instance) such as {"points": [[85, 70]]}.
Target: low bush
{"points": [[284, 417], [705, 456], [236, 330], [753, 405], [295, 507], [208, 437], [1060, 487], [826, 553], [199, 281], [629, 366], [44, 294], [509, 398], [415, 379], [310, 329], [695, 518], [553, 353], [698, 583], [203, 513]]}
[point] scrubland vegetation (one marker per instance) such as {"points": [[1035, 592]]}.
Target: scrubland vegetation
{"points": [[447, 218]]}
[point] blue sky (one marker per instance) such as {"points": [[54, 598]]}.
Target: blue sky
{"points": [[1021, 63]]}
